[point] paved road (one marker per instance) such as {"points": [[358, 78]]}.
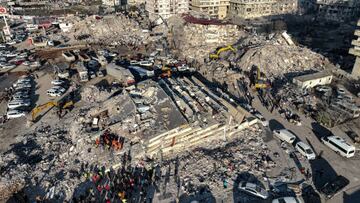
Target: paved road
{"points": [[330, 162]]}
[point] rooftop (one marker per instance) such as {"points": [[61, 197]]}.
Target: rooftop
{"points": [[313, 76]]}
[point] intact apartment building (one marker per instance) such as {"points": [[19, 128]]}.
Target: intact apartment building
{"points": [[258, 8], [356, 52], [214, 8], [166, 8], [111, 3], [338, 10]]}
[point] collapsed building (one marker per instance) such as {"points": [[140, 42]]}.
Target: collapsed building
{"points": [[110, 30]]}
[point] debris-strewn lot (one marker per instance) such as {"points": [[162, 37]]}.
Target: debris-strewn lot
{"points": [[113, 108]]}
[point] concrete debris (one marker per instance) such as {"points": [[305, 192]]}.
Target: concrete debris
{"points": [[110, 30], [196, 41], [94, 94], [279, 59], [211, 165]]}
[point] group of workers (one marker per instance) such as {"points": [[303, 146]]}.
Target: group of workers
{"points": [[110, 140]]}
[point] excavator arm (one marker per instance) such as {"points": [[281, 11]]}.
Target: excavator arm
{"points": [[216, 55], [41, 107]]}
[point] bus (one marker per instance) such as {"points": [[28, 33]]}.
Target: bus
{"points": [[339, 145]]}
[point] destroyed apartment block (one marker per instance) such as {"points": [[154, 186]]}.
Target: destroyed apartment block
{"points": [[312, 80], [186, 108]]}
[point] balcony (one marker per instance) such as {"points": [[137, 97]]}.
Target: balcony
{"points": [[357, 33], [355, 43], [354, 52]]}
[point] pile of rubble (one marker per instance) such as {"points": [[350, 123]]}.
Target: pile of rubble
{"points": [[36, 162], [280, 59], [93, 94], [211, 164], [196, 41], [110, 30]]}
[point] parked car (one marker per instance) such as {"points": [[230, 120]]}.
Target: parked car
{"points": [[18, 103], [92, 74], [15, 114], [8, 66], [26, 63], [133, 62], [323, 88], [253, 189], [22, 91], [20, 96], [59, 88], [285, 135], [24, 80], [11, 43], [22, 84], [353, 136], [54, 93], [57, 82], [305, 150], [145, 63], [341, 91], [286, 200], [35, 64], [262, 120], [332, 187], [100, 73]]}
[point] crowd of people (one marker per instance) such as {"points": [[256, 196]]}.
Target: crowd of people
{"points": [[126, 184]]}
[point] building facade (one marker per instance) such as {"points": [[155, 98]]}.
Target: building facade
{"points": [[338, 10], [258, 8], [214, 8], [166, 8], [110, 3], [356, 52], [312, 80]]}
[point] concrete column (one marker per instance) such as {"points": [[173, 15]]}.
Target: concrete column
{"points": [[356, 69]]}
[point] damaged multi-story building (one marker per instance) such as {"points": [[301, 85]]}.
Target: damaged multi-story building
{"points": [[214, 8], [338, 10], [356, 52], [258, 8], [166, 8]]}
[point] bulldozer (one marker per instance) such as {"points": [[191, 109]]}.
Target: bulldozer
{"points": [[61, 105], [216, 55]]}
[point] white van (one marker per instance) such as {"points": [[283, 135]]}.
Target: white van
{"points": [[339, 145], [305, 150], [285, 135]]}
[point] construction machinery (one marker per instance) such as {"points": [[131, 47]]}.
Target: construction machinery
{"points": [[216, 55], [165, 72], [62, 105], [259, 80]]}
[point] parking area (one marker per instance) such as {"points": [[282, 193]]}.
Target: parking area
{"points": [[328, 161]]}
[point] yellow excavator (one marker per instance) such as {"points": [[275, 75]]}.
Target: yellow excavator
{"points": [[261, 82], [61, 105], [166, 72], [216, 55]]}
